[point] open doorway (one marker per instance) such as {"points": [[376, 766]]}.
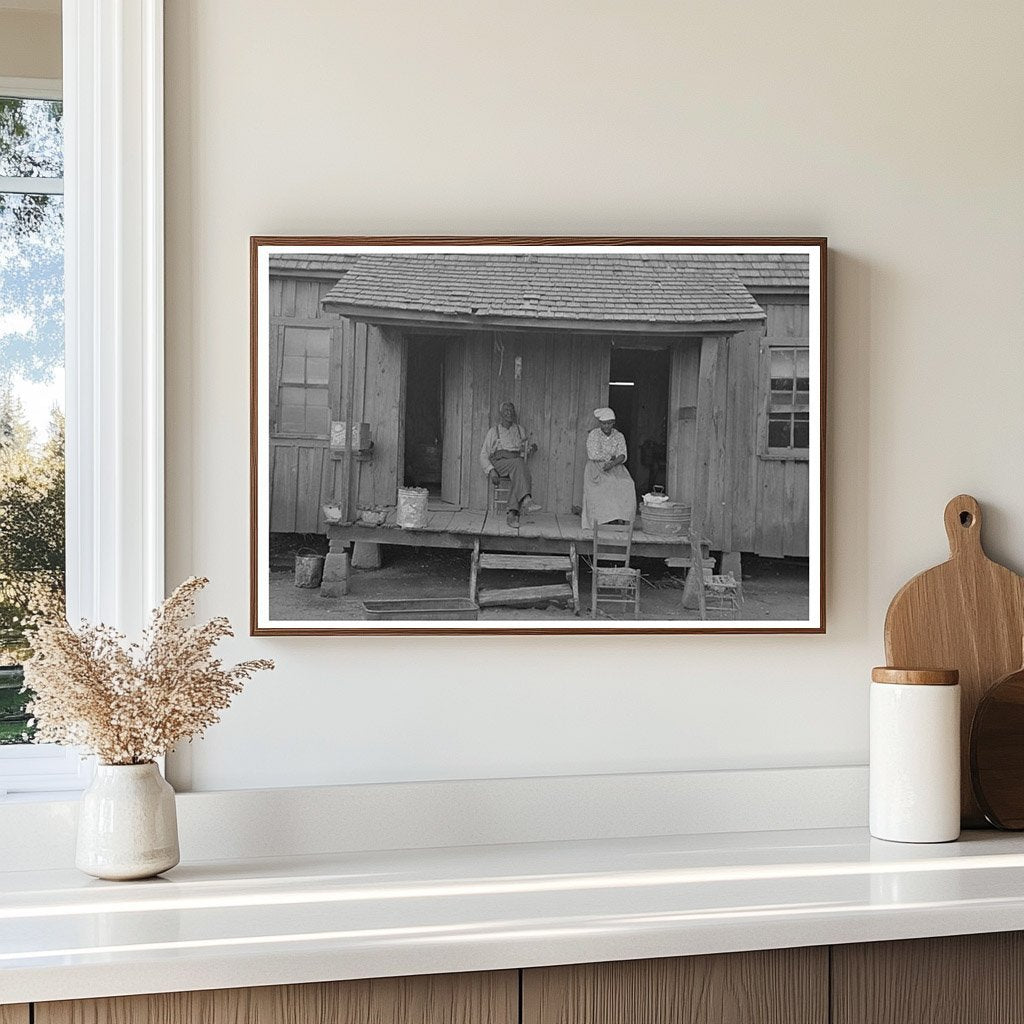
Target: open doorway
{"points": [[424, 391], [638, 392]]}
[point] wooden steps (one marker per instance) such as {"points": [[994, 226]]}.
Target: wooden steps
{"points": [[510, 597], [525, 596], [537, 563]]}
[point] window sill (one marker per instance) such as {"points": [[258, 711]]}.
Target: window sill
{"points": [[799, 456]]}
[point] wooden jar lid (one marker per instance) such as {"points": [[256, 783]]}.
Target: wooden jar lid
{"points": [[916, 676]]}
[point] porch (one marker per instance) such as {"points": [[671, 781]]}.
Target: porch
{"points": [[541, 533]]}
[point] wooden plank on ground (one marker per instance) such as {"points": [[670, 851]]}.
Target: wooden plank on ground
{"points": [[494, 560], [524, 595]]}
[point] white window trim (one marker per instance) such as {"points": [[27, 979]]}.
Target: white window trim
{"points": [[114, 323]]}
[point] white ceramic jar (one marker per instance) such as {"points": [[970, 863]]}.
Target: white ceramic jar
{"points": [[127, 823], [915, 755]]}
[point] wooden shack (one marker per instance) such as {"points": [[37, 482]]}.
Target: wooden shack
{"points": [[704, 357]]}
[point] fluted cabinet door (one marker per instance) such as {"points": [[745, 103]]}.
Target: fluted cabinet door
{"points": [[483, 998], [960, 979], [14, 1014], [778, 986]]}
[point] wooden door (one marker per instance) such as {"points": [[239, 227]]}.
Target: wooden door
{"points": [[483, 998], [680, 466], [779, 986], [453, 411], [960, 979], [14, 1014]]}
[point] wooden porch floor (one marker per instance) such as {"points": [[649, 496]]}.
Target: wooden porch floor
{"points": [[460, 528]]}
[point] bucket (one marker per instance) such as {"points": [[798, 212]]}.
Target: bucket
{"points": [[412, 508], [668, 520], [309, 569]]}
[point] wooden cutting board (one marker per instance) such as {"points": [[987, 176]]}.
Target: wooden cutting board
{"points": [[967, 614]]}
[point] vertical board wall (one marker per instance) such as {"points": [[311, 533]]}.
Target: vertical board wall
{"points": [[303, 476], [556, 380]]}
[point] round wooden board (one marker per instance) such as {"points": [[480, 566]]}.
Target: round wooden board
{"points": [[997, 752]]}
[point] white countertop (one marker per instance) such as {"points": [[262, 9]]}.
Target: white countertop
{"points": [[227, 924]]}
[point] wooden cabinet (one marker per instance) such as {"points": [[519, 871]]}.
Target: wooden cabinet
{"points": [[491, 998], [968, 979], [962, 979], [778, 986]]}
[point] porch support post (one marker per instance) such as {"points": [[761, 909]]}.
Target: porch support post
{"points": [[710, 422], [336, 570]]}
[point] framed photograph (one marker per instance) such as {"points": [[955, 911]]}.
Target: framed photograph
{"points": [[537, 435]]}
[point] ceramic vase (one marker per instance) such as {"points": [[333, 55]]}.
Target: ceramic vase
{"points": [[127, 825]]}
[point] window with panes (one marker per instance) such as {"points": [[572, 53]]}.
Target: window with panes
{"points": [[303, 407], [789, 400]]}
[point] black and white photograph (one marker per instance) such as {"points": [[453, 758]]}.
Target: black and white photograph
{"points": [[537, 435]]}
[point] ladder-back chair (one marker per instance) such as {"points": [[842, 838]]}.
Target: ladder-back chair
{"points": [[499, 494], [613, 580]]}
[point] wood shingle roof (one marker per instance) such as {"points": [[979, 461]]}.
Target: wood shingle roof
{"points": [[327, 263], [612, 288]]}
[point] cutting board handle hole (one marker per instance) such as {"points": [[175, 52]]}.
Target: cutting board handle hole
{"points": [[966, 519]]}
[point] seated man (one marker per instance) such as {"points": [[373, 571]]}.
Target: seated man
{"points": [[503, 454]]}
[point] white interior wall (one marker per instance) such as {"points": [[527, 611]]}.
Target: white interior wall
{"points": [[895, 129]]}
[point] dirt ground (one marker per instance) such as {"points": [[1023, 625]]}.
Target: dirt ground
{"points": [[772, 588]]}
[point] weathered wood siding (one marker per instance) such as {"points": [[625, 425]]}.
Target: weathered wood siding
{"points": [[783, 485], [303, 476], [555, 379], [373, 391], [753, 503]]}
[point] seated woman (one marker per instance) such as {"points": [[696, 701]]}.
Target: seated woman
{"points": [[609, 494], [503, 454]]}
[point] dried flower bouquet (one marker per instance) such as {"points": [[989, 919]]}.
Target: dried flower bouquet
{"points": [[130, 703]]}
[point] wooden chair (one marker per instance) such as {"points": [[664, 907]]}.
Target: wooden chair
{"points": [[723, 594], [613, 581], [719, 594], [499, 494]]}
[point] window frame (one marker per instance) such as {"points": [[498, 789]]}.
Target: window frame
{"points": [[764, 384], [306, 386], [37, 767], [112, 89]]}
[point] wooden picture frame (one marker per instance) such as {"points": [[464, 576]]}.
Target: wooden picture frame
{"points": [[360, 345]]}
